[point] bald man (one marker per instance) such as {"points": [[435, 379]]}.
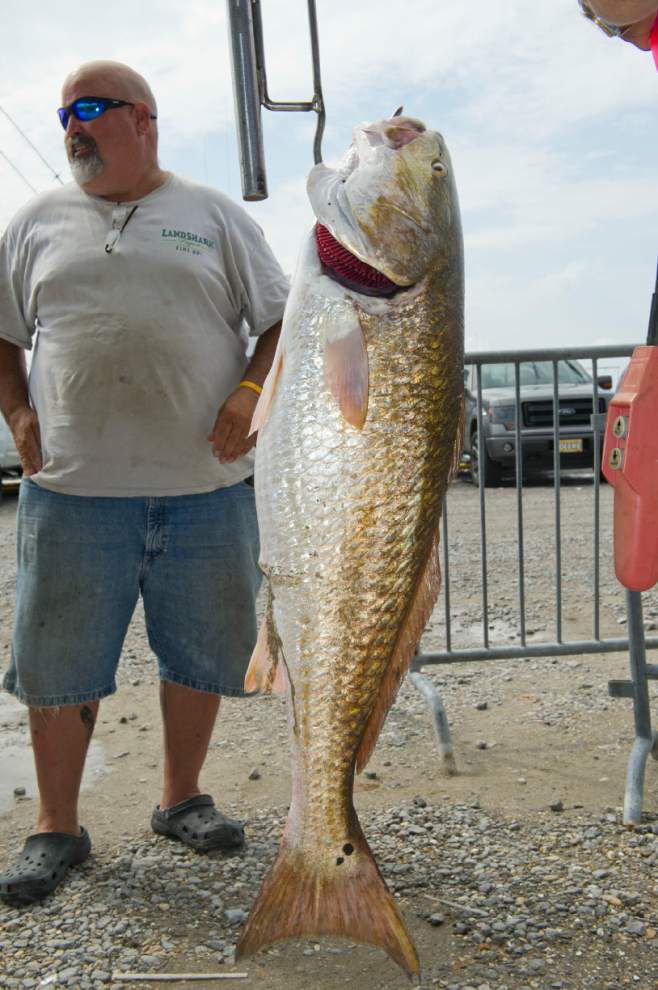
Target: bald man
{"points": [[631, 20], [138, 290]]}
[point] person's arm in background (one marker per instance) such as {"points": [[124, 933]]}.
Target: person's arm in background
{"points": [[16, 409], [636, 16]]}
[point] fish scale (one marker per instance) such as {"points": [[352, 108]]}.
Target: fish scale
{"points": [[349, 513]]}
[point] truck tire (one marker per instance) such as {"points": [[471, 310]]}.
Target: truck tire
{"points": [[493, 472]]}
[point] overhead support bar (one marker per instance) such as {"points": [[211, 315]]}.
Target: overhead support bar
{"points": [[250, 92]]}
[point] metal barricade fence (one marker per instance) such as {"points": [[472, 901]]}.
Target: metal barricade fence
{"points": [[646, 740]]}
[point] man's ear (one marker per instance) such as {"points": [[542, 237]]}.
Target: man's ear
{"points": [[142, 117]]}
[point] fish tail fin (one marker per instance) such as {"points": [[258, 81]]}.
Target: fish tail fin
{"points": [[346, 897]]}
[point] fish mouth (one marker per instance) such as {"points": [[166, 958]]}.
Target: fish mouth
{"points": [[393, 133], [339, 264]]}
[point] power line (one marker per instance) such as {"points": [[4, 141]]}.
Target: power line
{"points": [[33, 146], [16, 169]]}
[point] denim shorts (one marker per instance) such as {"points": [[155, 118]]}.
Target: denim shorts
{"points": [[83, 563]]}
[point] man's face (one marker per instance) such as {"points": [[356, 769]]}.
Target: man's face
{"points": [[639, 34], [106, 155]]}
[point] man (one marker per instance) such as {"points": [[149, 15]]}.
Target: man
{"points": [[138, 284], [631, 20]]}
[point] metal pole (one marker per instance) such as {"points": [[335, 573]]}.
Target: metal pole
{"points": [[250, 91], [439, 719], [519, 497], [483, 525], [446, 574], [318, 102], [645, 739], [558, 524], [247, 97], [596, 433]]}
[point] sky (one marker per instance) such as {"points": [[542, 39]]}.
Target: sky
{"points": [[551, 127]]}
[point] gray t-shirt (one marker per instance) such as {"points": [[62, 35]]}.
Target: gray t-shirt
{"points": [[138, 347]]}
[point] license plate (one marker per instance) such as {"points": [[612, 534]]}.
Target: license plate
{"points": [[571, 446]]}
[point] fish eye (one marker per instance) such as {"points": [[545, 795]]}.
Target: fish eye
{"points": [[439, 167]]}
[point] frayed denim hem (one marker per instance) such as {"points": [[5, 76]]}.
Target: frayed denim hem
{"points": [[189, 682], [55, 701]]}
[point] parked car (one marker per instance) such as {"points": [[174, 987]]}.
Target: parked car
{"points": [[10, 465], [496, 452]]}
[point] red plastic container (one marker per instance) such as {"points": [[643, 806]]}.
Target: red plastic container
{"points": [[630, 464]]}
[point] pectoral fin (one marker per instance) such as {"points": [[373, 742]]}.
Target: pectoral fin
{"points": [[346, 371]]}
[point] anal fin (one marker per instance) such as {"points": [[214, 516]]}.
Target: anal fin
{"points": [[265, 673]]}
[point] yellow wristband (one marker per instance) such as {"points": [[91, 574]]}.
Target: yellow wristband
{"points": [[252, 385]]}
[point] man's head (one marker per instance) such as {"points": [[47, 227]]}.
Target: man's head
{"points": [[112, 154], [631, 20]]}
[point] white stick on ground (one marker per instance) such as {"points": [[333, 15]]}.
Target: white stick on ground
{"points": [[174, 977]]}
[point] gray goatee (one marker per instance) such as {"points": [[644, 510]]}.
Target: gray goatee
{"points": [[86, 168]]}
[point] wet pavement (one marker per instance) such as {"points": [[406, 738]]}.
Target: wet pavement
{"points": [[16, 756]]}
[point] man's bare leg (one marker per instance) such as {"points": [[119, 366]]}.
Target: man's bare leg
{"points": [[188, 718], [60, 740]]}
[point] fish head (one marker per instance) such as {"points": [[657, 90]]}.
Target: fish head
{"points": [[392, 200]]}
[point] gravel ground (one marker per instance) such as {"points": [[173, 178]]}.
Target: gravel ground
{"points": [[516, 873]]}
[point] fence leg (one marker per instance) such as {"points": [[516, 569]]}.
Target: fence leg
{"points": [[646, 741], [439, 720]]}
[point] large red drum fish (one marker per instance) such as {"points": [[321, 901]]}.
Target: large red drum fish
{"points": [[359, 431]]}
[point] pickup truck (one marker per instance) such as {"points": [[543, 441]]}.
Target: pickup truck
{"points": [[496, 451], [10, 465]]}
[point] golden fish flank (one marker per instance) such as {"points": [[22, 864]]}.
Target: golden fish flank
{"points": [[359, 429]]}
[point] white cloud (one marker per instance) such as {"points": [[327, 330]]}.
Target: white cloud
{"points": [[548, 122]]}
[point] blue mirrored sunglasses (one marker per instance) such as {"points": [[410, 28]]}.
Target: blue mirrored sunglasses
{"points": [[90, 107]]}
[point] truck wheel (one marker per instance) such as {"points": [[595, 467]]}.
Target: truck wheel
{"points": [[493, 473]]}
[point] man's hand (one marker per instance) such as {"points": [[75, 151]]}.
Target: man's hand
{"points": [[229, 437], [24, 426]]}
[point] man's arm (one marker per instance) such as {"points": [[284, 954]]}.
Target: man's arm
{"points": [[15, 407], [230, 435]]}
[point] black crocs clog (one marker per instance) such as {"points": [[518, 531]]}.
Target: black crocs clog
{"points": [[198, 824], [42, 865]]}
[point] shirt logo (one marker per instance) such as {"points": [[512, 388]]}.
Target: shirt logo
{"points": [[187, 241]]}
